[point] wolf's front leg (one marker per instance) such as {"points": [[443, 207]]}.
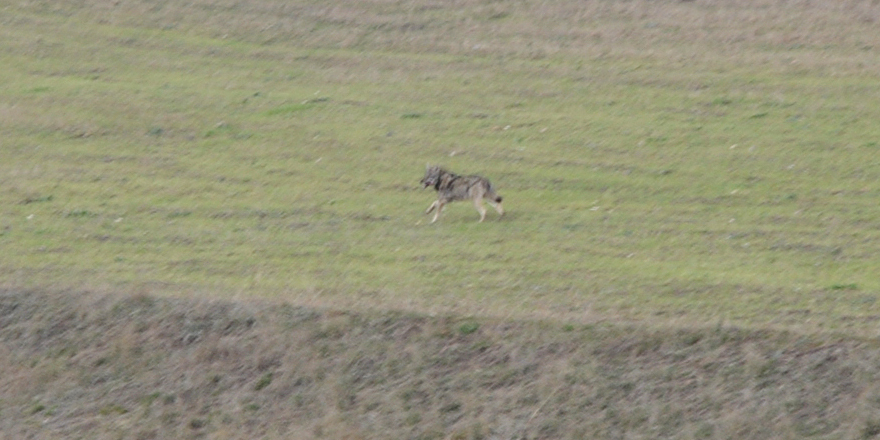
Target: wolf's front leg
{"points": [[431, 208], [437, 214]]}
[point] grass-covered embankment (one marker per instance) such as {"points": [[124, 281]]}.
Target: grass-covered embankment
{"points": [[86, 365]]}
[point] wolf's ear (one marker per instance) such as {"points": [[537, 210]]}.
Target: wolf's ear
{"points": [[427, 166]]}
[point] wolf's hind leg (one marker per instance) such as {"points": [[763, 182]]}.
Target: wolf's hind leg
{"points": [[496, 203], [498, 208], [478, 203]]}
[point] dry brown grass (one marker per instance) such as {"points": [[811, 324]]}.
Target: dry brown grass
{"points": [[87, 365], [775, 33]]}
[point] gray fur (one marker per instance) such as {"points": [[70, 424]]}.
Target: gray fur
{"points": [[451, 187]]}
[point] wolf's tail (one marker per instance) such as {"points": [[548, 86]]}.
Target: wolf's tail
{"points": [[492, 195]]}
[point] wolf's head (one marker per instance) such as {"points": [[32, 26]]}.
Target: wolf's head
{"points": [[432, 176]]}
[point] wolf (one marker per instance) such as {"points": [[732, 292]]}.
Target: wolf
{"points": [[451, 187]]}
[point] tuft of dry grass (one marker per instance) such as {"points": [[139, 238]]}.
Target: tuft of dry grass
{"points": [[80, 364]]}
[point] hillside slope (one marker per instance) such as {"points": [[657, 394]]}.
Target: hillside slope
{"points": [[99, 366]]}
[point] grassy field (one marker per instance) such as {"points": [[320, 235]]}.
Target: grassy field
{"points": [[655, 162], [667, 165]]}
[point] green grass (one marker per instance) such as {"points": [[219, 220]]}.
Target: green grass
{"points": [[654, 167]]}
